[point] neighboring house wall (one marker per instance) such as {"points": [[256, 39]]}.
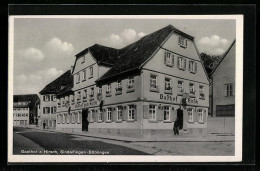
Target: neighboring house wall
{"points": [[223, 75], [21, 116]]}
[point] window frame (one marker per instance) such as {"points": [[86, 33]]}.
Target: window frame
{"points": [[91, 72], [84, 75], [109, 114], [228, 89], [152, 112], [164, 113], [131, 111], [119, 113], [182, 86], [190, 113], [200, 114]]}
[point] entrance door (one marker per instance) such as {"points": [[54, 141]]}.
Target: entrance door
{"points": [[85, 120], [180, 118]]}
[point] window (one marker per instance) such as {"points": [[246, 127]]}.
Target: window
{"points": [[181, 63], [167, 83], [168, 58], [67, 99], [109, 114], [85, 94], [200, 114], [100, 116], [83, 58], [193, 66], [119, 113], [190, 114], [182, 42], [192, 88], [201, 91], [229, 90], [119, 86], [166, 113], [62, 101], [92, 116], [46, 110], [152, 112], [131, 112], [91, 71], [77, 78], [73, 118], [79, 117], [72, 98], [99, 90], [46, 98], [79, 96], [53, 110], [53, 98], [63, 118], [92, 91], [68, 118], [180, 86], [131, 82], [108, 88], [84, 75], [153, 82]]}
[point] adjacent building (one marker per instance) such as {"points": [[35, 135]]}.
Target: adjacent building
{"points": [[223, 84], [25, 109], [48, 106], [139, 90]]}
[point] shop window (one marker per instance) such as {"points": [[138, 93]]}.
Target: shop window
{"points": [[192, 66], [190, 114], [166, 114], [181, 63], [91, 72], [229, 90], [201, 91], [84, 75], [109, 114], [152, 112], [131, 112], [119, 113]]}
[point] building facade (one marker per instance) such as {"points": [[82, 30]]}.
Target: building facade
{"points": [[48, 106], [139, 90], [25, 109], [223, 84]]}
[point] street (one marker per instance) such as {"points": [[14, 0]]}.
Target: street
{"points": [[32, 141]]}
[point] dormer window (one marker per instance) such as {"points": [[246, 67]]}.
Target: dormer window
{"points": [[182, 42]]}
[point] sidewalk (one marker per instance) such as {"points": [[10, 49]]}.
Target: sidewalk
{"points": [[174, 138]]}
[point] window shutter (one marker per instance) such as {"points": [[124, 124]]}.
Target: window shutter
{"points": [[124, 114], [146, 111], [184, 64], [165, 57], [159, 114], [178, 62], [44, 98], [104, 117], [172, 60], [195, 66], [204, 115], [189, 65], [173, 114], [114, 114], [195, 116], [135, 114]]}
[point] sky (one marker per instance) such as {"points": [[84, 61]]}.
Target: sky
{"points": [[44, 48]]}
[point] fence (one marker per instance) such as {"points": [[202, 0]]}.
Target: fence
{"points": [[221, 125]]}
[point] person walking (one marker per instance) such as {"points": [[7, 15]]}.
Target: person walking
{"points": [[176, 127], [44, 124]]}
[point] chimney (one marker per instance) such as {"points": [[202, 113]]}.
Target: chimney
{"points": [[71, 69]]}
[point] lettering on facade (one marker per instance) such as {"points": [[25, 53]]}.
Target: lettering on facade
{"points": [[192, 100], [91, 103], [168, 97]]}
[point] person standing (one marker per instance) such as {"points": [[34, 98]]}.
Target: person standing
{"points": [[44, 124], [176, 127]]}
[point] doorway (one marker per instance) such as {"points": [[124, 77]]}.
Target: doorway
{"points": [[85, 122], [180, 117]]}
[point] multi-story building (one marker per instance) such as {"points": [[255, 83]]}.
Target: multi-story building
{"points": [[48, 100], [25, 109], [223, 84], [139, 90]]}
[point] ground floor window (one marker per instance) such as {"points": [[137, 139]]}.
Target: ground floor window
{"points": [[109, 114], [190, 114], [200, 114], [166, 115], [68, 118], [152, 112], [79, 117], [100, 116], [73, 118], [63, 118], [119, 112], [131, 112]]}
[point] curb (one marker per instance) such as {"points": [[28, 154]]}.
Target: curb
{"points": [[115, 139]]}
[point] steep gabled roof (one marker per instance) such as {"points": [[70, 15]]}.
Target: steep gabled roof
{"points": [[134, 55], [224, 55], [55, 86], [33, 98], [102, 54]]}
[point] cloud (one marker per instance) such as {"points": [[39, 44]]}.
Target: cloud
{"points": [[31, 54], [34, 82], [214, 45], [56, 46], [122, 39]]}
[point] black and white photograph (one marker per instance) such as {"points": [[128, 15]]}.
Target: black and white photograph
{"points": [[125, 88]]}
